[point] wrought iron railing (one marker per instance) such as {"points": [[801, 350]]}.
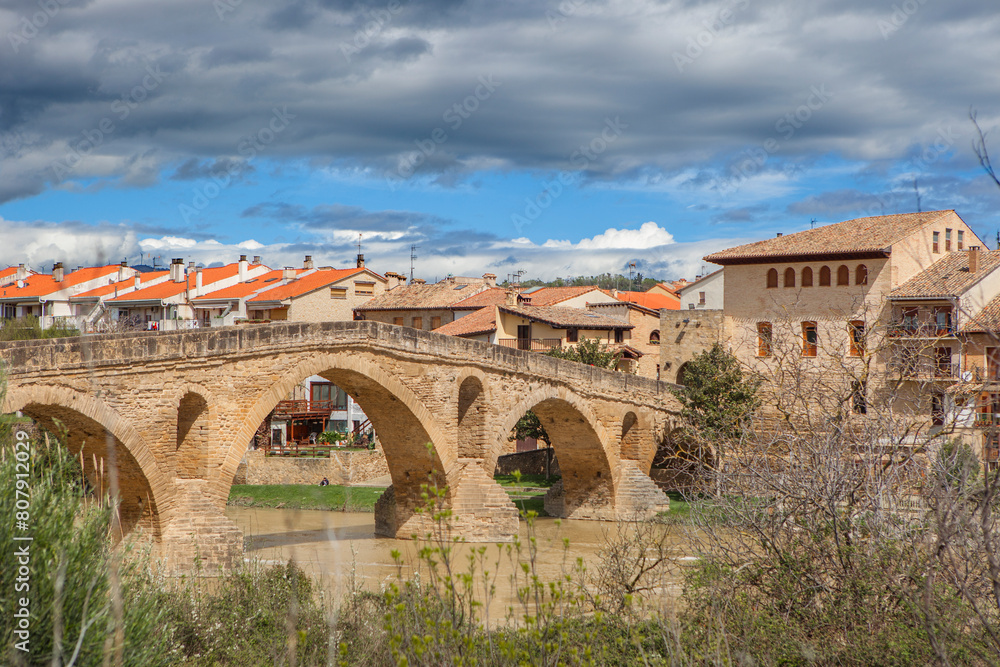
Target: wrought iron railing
{"points": [[532, 344]]}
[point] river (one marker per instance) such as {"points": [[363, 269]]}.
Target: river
{"points": [[336, 547]]}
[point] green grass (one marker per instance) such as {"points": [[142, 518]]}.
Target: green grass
{"points": [[306, 497], [536, 481], [528, 493]]}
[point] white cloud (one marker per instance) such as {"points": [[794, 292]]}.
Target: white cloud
{"points": [[649, 235]]}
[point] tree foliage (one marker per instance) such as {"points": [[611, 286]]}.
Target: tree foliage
{"points": [[590, 351], [718, 396], [529, 426]]}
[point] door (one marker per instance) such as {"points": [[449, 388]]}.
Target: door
{"points": [[524, 336]]}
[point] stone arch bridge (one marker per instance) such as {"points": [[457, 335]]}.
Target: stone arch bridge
{"points": [[177, 410]]}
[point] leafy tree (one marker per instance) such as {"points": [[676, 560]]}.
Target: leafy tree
{"points": [[29, 328], [718, 396], [589, 351], [529, 426]]}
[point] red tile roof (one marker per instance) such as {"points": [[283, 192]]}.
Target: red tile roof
{"points": [[567, 317], [647, 300], [493, 296], [478, 322], [949, 276], [423, 297], [304, 285], [167, 289], [859, 236], [128, 283], [240, 290], [549, 296], [43, 284]]}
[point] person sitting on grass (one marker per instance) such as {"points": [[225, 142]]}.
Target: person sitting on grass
{"points": [[325, 482]]}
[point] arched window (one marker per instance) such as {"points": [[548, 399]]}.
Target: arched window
{"points": [[654, 337], [807, 277], [789, 277], [843, 275], [861, 275], [772, 278], [824, 276]]}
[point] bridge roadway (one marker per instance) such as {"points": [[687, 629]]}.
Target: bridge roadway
{"points": [[173, 413]]}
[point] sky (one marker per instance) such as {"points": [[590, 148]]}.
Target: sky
{"points": [[560, 138]]}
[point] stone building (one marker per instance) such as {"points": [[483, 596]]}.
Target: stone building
{"points": [[705, 293], [321, 295], [643, 340], [422, 306]]}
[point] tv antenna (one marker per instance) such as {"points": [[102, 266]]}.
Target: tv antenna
{"points": [[812, 224], [413, 259], [631, 274], [916, 190]]}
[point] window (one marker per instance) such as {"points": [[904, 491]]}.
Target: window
{"points": [[338, 292], [772, 278], [328, 392], [937, 409], [701, 298], [417, 323], [572, 335], [789, 277], [861, 275], [763, 339], [961, 239], [619, 335], [824, 276], [859, 400], [910, 319], [947, 240], [398, 321], [435, 323], [810, 339], [934, 243], [807, 277], [942, 362], [364, 289], [843, 275], [654, 337], [856, 335], [942, 320]]}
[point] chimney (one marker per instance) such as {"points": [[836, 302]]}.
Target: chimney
{"points": [[288, 273], [22, 272], [256, 260], [57, 272], [123, 271], [243, 268], [177, 269], [308, 263], [490, 279], [137, 281], [418, 281], [779, 235], [361, 261], [197, 281], [511, 297], [973, 259], [394, 280]]}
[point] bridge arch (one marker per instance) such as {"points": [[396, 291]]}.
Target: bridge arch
{"points": [[580, 442], [403, 423], [145, 491], [473, 404]]}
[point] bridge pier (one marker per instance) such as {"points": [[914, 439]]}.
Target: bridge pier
{"points": [[481, 511], [198, 536], [633, 496]]}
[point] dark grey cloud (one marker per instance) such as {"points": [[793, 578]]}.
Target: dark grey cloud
{"points": [[369, 86]]}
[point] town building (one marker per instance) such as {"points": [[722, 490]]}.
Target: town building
{"points": [[424, 306], [705, 293], [654, 300], [47, 296], [90, 307]]}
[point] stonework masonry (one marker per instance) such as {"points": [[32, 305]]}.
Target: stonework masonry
{"points": [[684, 334], [341, 468], [177, 411]]}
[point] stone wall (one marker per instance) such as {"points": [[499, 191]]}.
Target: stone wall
{"points": [[684, 334], [529, 463], [342, 468]]}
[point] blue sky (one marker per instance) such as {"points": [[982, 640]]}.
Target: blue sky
{"points": [[561, 138]]}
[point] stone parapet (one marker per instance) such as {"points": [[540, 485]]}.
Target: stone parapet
{"points": [[342, 468]]}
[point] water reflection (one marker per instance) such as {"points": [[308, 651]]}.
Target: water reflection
{"points": [[339, 548]]}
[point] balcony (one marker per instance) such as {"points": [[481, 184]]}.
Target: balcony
{"points": [[987, 419], [926, 370], [295, 409], [913, 330], [531, 344]]}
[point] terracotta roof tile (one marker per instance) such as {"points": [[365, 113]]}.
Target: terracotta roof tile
{"points": [[567, 317], [550, 296], [416, 297], [988, 319], [477, 322], [42, 284], [861, 235], [949, 276], [493, 296], [128, 283], [240, 290], [304, 285], [647, 300], [167, 289]]}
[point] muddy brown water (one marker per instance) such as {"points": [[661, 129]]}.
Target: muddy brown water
{"points": [[338, 548]]}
